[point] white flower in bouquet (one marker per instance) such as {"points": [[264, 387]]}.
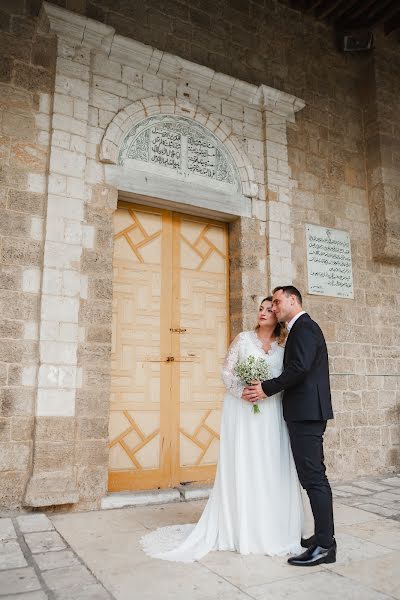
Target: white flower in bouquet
{"points": [[253, 369]]}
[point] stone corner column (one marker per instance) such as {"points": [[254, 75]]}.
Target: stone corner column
{"points": [[381, 114], [278, 108], [55, 473]]}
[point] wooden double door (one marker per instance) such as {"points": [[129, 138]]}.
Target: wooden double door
{"points": [[170, 334]]}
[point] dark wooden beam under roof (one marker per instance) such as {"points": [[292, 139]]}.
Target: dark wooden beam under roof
{"points": [[393, 25], [353, 14], [313, 4], [388, 13], [328, 8], [362, 7]]}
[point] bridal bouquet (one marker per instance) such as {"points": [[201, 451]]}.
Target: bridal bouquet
{"points": [[253, 369]]}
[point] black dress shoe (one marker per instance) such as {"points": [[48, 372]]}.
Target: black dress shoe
{"points": [[307, 542], [314, 555]]}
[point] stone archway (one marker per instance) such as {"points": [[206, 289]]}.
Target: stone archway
{"points": [[130, 117]]}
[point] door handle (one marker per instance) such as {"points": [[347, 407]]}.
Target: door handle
{"points": [[171, 359], [179, 359], [177, 330]]}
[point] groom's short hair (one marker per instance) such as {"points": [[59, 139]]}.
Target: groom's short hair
{"points": [[289, 290]]}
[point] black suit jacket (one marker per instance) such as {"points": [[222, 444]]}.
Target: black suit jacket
{"points": [[305, 376]]}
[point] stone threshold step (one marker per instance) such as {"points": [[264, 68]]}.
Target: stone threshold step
{"points": [[182, 493]]}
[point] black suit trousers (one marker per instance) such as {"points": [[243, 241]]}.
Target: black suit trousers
{"points": [[306, 439]]}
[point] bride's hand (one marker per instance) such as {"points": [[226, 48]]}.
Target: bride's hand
{"points": [[255, 391], [246, 395], [250, 395]]}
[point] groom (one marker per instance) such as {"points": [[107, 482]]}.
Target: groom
{"points": [[306, 409]]}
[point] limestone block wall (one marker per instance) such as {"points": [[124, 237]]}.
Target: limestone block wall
{"points": [[381, 124], [26, 98], [329, 149], [62, 86]]}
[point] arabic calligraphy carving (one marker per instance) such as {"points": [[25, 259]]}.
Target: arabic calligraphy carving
{"points": [[180, 144], [329, 262]]}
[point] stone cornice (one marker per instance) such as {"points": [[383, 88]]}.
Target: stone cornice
{"points": [[77, 28], [91, 33], [279, 102]]}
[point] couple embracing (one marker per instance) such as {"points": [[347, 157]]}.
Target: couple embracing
{"points": [[256, 503]]}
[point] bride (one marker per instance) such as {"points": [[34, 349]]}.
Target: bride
{"points": [[255, 505]]}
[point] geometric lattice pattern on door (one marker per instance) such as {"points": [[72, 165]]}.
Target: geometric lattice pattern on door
{"points": [[203, 247], [200, 441], [132, 440], [138, 231]]}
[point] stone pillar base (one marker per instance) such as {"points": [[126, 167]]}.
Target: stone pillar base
{"points": [[49, 489]]}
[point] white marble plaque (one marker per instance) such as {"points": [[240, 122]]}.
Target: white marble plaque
{"points": [[329, 262]]}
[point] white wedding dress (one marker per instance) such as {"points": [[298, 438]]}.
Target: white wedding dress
{"points": [[256, 504]]}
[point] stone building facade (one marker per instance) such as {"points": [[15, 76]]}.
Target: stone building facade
{"points": [[311, 137]]}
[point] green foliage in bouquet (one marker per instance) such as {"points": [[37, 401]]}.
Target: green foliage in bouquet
{"points": [[253, 369]]}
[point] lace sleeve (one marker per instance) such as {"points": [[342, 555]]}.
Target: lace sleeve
{"points": [[232, 383]]}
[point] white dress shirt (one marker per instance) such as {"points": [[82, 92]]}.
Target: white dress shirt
{"points": [[293, 321]]}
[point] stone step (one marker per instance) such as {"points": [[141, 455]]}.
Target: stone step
{"points": [[195, 492], [181, 493], [122, 499]]}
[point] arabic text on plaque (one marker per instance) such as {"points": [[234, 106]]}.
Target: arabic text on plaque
{"points": [[329, 262], [165, 147]]}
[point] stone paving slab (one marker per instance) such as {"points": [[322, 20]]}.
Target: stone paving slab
{"points": [[383, 532], [371, 485], [353, 548], [28, 596], [351, 515], [252, 570], [392, 481], [11, 556], [384, 497], [69, 580], [33, 523], [379, 495], [90, 592], [379, 510], [350, 489], [16, 581], [44, 541], [7, 530], [56, 560], [381, 573], [316, 585]]}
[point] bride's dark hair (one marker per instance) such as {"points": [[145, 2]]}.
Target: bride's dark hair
{"points": [[280, 330]]}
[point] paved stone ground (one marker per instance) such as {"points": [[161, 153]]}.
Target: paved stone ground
{"points": [[97, 556]]}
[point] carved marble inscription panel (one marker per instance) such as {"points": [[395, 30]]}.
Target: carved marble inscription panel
{"points": [[329, 262], [178, 144]]}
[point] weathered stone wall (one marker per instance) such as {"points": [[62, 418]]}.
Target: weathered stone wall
{"points": [[361, 333], [382, 144], [259, 42], [26, 86]]}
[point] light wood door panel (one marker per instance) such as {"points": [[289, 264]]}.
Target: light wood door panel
{"points": [[170, 333], [202, 306]]}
